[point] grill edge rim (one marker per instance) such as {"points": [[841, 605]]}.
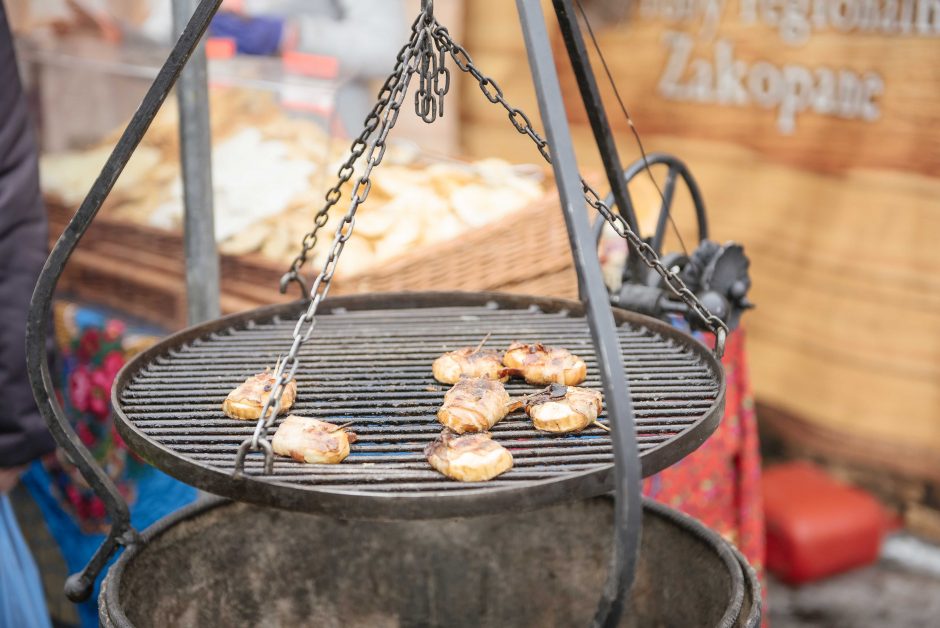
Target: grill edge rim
{"points": [[352, 504]]}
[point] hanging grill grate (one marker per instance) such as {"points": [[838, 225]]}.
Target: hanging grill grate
{"points": [[373, 366]]}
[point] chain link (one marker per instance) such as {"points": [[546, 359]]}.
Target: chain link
{"points": [[523, 125], [410, 62], [356, 150], [649, 257]]}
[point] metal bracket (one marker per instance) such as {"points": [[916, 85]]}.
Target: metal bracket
{"points": [[600, 125]]}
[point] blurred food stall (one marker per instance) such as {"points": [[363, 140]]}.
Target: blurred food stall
{"points": [[276, 150]]}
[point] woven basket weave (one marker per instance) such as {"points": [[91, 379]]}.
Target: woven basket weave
{"points": [[515, 251], [140, 269]]}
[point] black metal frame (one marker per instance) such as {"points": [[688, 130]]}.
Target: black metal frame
{"points": [[628, 510], [79, 586]]}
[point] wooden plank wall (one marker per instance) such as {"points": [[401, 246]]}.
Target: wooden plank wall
{"points": [[840, 213]]}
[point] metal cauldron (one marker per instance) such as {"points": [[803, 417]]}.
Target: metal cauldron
{"points": [[230, 564]]}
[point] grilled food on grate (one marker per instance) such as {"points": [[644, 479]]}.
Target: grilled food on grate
{"points": [[540, 364], [468, 458], [312, 441], [474, 404], [564, 408], [247, 401], [469, 362]]}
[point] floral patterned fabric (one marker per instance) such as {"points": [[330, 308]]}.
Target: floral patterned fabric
{"points": [[93, 347], [720, 483]]}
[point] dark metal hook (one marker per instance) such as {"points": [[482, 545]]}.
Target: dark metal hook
{"points": [[293, 275]]}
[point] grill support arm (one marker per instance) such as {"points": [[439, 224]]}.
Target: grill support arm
{"points": [[628, 508], [79, 586]]}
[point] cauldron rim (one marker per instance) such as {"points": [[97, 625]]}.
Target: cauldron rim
{"points": [[742, 575]]}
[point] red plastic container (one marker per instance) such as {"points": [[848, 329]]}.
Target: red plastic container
{"points": [[220, 48], [306, 64], [817, 526]]}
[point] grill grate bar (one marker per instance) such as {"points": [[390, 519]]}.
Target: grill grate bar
{"points": [[398, 404], [368, 441], [148, 399], [521, 459], [375, 442], [429, 341], [429, 335], [402, 416], [235, 358], [186, 390], [398, 369], [407, 432]]}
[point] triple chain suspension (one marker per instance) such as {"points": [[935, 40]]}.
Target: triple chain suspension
{"points": [[425, 53]]}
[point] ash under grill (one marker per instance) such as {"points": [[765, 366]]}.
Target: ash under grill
{"points": [[369, 361]]}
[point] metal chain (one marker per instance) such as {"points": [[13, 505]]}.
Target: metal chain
{"points": [[356, 150], [523, 125], [410, 61], [649, 257]]}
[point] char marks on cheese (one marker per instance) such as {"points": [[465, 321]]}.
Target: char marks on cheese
{"points": [[569, 410], [248, 399], [468, 458], [540, 364], [312, 441], [469, 362], [474, 404]]}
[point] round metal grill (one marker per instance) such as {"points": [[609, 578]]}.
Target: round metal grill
{"points": [[369, 361]]}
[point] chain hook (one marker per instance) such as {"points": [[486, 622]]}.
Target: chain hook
{"points": [[293, 275], [721, 335], [427, 7], [246, 446]]}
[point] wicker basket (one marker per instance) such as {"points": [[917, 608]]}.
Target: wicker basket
{"points": [[140, 269], [516, 251]]}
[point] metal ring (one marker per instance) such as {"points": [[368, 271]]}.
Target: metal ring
{"points": [[720, 337], [268, 456], [247, 446], [290, 276], [240, 456]]}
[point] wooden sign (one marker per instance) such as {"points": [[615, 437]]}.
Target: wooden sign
{"points": [[813, 128]]}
